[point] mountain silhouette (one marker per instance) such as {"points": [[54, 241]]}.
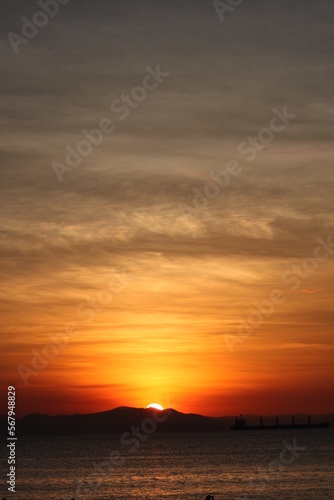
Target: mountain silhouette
{"points": [[122, 419], [116, 421]]}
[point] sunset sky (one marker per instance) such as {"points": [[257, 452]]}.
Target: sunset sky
{"points": [[157, 297]]}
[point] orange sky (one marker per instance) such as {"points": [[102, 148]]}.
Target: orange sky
{"points": [[158, 298], [162, 338]]}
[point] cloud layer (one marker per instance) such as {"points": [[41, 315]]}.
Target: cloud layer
{"points": [[192, 279]]}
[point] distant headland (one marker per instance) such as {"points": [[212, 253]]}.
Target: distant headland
{"points": [[121, 419]]}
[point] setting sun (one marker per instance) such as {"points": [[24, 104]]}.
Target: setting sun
{"points": [[156, 406]]}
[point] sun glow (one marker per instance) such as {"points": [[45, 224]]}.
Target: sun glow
{"points": [[156, 406]]}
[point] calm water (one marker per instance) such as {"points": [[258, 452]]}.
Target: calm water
{"points": [[230, 465]]}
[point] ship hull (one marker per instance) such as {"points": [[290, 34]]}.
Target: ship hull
{"points": [[274, 427]]}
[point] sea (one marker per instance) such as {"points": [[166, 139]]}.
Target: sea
{"points": [[270, 464]]}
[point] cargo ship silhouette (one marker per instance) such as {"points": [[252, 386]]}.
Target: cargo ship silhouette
{"points": [[241, 425]]}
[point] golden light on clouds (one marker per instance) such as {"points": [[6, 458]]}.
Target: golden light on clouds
{"points": [[113, 293]]}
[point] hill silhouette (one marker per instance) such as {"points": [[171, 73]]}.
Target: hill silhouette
{"points": [[121, 419], [116, 421]]}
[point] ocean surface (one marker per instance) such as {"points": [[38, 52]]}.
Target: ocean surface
{"points": [[289, 464]]}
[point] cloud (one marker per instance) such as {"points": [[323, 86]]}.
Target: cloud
{"points": [[61, 243]]}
